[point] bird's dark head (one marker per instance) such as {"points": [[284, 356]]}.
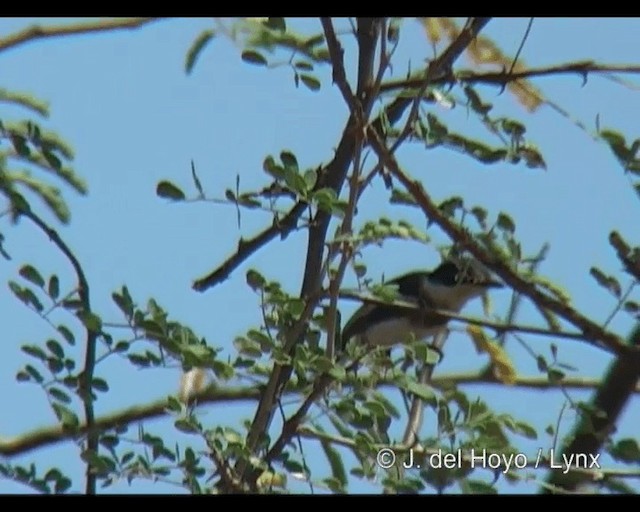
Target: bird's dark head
{"points": [[458, 272], [457, 281]]}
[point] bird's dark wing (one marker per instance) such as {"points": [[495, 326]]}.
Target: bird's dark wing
{"points": [[371, 314], [410, 284]]}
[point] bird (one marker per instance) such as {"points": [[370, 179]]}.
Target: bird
{"points": [[449, 287]]}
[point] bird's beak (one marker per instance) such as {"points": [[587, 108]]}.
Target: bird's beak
{"points": [[493, 283]]}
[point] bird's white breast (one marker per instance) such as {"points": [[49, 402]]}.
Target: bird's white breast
{"points": [[396, 330]]}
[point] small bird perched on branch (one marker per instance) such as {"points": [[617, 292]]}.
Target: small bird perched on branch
{"points": [[447, 288]]}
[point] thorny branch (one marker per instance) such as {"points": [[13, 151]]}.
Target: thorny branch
{"points": [[247, 247], [86, 376], [504, 77]]}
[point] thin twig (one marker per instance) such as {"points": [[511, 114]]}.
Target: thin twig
{"points": [[620, 303], [35, 32], [557, 432], [524, 38]]}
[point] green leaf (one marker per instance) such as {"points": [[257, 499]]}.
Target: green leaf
{"points": [[35, 351], [310, 178], [186, 426], [449, 206], [63, 484], [475, 102], [303, 65], [121, 346], [35, 374], [402, 197], [295, 181], [100, 384], [560, 293], [272, 169], [139, 360], [255, 280], [23, 376], [20, 145], [513, 128], [608, 282], [59, 395], [55, 348], [626, 450], [276, 24], [26, 101], [54, 287], [26, 296], [196, 48], [52, 159], [289, 160], [168, 190], [506, 223], [526, 430], [469, 486], [532, 156], [335, 462], [66, 416], [254, 57], [420, 390], [30, 273], [91, 321], [311, 82], [555, 376], [66, 334]]}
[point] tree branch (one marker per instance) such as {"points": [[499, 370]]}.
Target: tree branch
{"points": [[337, 60], [499, 327], [47, 436], [36, 32], [595, 426], [504, 77], [247, 247], [86, 376]]}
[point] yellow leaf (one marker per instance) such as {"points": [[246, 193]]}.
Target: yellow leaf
{"points": [[485, 51], [449, 26], [502, 366], [271, 479], [432, 28]]}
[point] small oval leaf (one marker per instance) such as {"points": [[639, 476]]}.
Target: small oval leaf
{"points": [[168, 190], [254, 57]]}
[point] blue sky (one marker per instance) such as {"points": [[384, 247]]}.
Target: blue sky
{"points": [[134, 118]]}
